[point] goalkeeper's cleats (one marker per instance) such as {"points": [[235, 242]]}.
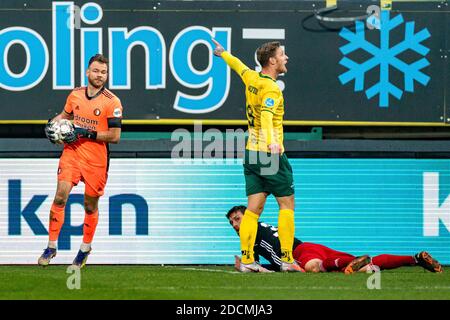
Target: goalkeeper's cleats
{"points": [[426, 261], [49, 254], [251, 267], [291, 267], [357, 264], [81, 258]]}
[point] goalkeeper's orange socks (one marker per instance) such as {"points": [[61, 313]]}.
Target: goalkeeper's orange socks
{"points": [[247, 234], [286, 230], [56, 223], [90, 224]]}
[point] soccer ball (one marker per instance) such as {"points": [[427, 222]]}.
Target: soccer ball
{"points": [[62, 128]]}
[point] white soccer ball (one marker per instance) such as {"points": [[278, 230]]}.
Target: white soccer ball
{"points": [[62, 128]]}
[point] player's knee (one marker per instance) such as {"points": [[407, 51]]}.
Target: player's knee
{"points": [[256, 209], [286, 203], [60, 200], [90, 208]]}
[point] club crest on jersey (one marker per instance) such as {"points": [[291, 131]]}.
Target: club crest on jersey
{"points": [[117, 112], [97, 112], [269, 102]]}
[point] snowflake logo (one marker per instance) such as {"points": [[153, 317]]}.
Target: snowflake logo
{"points": [[384, 56]]}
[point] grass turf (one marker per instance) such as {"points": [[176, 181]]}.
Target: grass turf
{"points": [[215, 283]]}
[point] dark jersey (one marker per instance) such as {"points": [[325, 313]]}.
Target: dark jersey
{"points": [[267, 245]]}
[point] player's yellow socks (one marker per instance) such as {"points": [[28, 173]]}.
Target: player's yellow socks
{"points": [[286, 230], [247, 234]]}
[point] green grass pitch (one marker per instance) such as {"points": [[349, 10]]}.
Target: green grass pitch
{"points": [[215, 283]]}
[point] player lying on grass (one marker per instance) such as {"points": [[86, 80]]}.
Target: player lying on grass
{"points": [[313, 257]]}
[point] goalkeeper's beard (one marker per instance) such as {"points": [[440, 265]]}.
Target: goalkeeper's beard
{"points": [[96, 86]]}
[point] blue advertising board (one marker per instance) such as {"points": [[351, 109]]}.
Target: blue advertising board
{"points": [[172, 211]]}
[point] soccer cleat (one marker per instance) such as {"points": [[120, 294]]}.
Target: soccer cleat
{"points": [[49, 254], [251, 267], [357, 264], [426, 261], [290, 267], [81, 258]]}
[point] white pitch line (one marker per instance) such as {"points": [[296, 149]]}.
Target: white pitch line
{"points": [[273, 288], [209, 270]]}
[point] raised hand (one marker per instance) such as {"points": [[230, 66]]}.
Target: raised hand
{"points": [[218, 50]]}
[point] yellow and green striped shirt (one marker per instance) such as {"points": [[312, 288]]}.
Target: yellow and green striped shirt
{"points": [[264, 106]]}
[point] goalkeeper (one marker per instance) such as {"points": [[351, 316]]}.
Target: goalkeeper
{"points": [[97, 116]]}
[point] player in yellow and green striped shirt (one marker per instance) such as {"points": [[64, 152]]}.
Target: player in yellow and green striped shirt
{"points": [[266, 167]]}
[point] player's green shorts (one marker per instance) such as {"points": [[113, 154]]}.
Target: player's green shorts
{"points": [[268, 173]]}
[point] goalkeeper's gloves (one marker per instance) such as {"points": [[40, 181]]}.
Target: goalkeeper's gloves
{"points": [[50, 131], [85, 133], [80, 133]]}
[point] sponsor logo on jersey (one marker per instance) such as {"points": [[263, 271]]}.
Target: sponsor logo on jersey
{"points": [[269, 102], [117, 113], [253, 90], [84, 120]]}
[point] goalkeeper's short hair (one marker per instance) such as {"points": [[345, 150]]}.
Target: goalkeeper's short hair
{"points": [[99, 58]]}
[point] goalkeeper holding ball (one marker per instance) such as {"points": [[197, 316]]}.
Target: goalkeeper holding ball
{"points": [[97, 117]]}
